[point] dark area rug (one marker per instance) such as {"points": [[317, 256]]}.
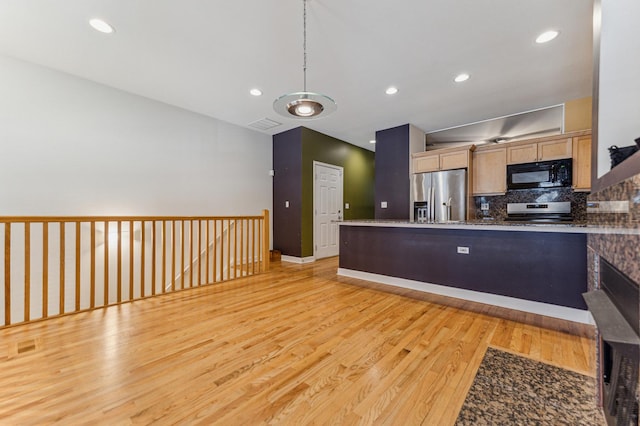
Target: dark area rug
{"points": [[512, 390]]}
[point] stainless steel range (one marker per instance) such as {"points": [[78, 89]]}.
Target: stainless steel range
{"points": [[552, 212]]}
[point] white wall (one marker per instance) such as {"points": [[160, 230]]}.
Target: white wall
{"points": [[72, 147], [619, 103], [69, 146]]}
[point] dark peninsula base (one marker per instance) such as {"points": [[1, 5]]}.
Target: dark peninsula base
{"points": [[547, 267]]}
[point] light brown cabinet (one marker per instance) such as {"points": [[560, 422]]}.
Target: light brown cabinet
{"points": [[449, 159], [424, 164], [582, 163], [489, 171], [540, 151], [454, 160]]}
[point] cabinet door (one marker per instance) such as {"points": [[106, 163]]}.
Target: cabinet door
{"points": [[490, 171], [454, 160], [522, 153], [553, 150], [582, 163], [430, 163]]}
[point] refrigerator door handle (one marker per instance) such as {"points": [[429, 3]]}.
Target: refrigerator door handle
{"points": [[432, 204]]}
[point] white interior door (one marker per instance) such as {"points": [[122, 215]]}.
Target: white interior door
{"points": [[327, 207]]}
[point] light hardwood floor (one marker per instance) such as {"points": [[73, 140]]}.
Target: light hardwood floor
{"points": [[297, 345]]}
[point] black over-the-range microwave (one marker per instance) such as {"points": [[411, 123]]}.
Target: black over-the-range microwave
{"points": [[542, 174]]}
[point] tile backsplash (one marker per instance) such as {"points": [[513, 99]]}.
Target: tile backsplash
{"points": [[498, 203]]}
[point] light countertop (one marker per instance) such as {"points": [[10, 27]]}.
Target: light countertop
{"points": [[490, 225]]}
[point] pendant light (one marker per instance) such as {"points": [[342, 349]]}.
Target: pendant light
{"points": [[304, 105]]}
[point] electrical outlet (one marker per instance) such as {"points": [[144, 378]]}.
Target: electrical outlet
{"points": [[484, 206], [463, 250], [286, 204], [383, 204], [346, 206]]}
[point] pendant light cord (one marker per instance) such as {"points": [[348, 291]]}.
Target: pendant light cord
{"points": [[304, 44]]}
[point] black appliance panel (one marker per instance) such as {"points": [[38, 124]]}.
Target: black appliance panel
{"points": [[542, 174]]}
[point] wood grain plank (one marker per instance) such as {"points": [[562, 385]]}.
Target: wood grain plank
{"points": [[296, 345]]}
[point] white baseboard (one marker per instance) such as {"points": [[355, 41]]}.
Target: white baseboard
{"points": [[300, 260], [546, 309]]}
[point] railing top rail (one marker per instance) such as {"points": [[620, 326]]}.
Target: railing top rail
{"points": [[57, 219]]}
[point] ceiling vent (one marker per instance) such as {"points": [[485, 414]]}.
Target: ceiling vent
{"points": [[264, 124]]}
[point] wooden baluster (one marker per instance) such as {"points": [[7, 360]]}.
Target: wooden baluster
{"points": [[131, 262], [228, 249], [92, 302], [153, 258], [206, 257], [265, 240], [235, 246], [253, 246], [119, 262], [143, 260], [190, 265], [7, 273], [78, 258], [27, 271], [241, 260], [45, 269], [105, 287], [164, 256], [199, 252], [215, 250], [182, 249], [173, 257], [62, 267], [260, 245]]}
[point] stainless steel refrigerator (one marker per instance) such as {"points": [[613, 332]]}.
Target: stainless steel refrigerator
{"points": [[440, 196]]}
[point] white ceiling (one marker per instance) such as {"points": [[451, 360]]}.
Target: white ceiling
{"points": [[205, 55]]}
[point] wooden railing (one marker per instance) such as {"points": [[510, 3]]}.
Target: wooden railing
{"points": [[60, 265]]}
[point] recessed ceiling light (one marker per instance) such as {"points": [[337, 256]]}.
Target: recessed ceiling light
{"points": [[372, 141], [391, 90], [100, 25], [256, 92], [547, 36], [461, 77]]}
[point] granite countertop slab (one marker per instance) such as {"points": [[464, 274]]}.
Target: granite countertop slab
{"points": [[492, 225]]}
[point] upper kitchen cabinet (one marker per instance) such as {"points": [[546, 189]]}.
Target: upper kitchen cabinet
{"points": [[442, 159], [529, 152], [393, 170], [489, 170], [582, 163]]}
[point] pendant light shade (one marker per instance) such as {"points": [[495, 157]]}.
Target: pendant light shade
{"points": [[304, 105]]}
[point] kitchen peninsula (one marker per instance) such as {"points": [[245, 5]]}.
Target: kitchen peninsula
{"points": [[533, 268]]}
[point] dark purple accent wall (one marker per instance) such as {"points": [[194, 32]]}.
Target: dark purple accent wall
{"points": [[539, 266], [392, 173], [287, 186]]}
